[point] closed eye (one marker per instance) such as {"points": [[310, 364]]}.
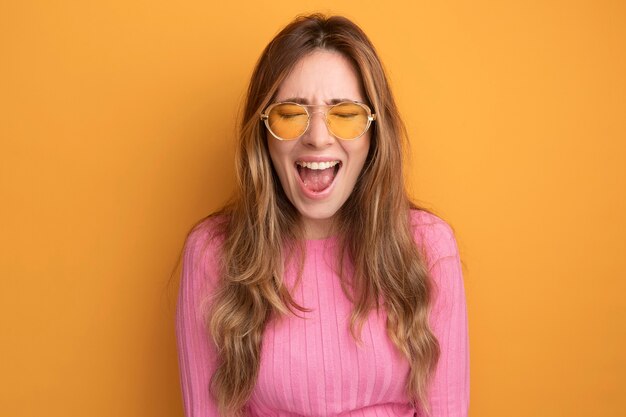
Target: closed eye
{"points": [[290, 115]]}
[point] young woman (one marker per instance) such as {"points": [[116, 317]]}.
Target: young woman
{"points": [[321, 289]]}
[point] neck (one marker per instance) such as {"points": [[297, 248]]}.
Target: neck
{"points": [[317, 228]]}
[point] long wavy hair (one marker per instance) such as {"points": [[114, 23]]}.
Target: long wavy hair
{"points": [[373, 226]]}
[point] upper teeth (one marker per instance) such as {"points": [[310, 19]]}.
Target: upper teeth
{"points": [[317, 165]]}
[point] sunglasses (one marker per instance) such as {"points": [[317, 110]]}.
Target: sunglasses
{"points": [[347, 120]]}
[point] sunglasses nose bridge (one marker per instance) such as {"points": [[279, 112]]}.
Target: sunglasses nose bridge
{"points": [[312, 112], [323, 111]]}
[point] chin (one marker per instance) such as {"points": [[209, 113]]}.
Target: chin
{"points": [[317, 213]]}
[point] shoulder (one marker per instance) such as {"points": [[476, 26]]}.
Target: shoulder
{"points": [[435, 239], [202, 253], [207, 234], [433, 236]]}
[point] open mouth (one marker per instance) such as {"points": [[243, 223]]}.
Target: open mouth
{"points": [[317, 176]]}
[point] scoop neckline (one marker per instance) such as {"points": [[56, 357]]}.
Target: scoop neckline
{"points": [[321, 242]]}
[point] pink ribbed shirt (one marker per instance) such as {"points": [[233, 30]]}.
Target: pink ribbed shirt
{"points": [[311, 365]]}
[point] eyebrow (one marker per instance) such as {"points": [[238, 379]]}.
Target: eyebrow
{"points": [[301, 100]]}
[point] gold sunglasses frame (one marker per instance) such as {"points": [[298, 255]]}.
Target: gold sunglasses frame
{"points": [[265, 117]]}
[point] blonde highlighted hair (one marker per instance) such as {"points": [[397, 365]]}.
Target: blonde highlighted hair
{"points": [[373, 226]]}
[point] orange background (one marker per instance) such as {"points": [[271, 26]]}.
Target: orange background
{"points": [[116, 128]]}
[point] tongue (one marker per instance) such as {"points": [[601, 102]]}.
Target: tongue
{"points": [[317, 179]]}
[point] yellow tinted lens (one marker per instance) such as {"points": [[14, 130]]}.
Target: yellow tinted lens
{"points": [[347, 120], [288, 121]]}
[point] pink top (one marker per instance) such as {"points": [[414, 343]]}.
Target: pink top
{"points": [[312, 366]]}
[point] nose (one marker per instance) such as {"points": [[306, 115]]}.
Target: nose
{"points": [[317, 135]]}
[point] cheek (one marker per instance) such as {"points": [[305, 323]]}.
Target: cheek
{"points": [[279, 155], [359, 149]]}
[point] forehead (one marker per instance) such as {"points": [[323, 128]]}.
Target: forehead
{"points": [[322, 77]]}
